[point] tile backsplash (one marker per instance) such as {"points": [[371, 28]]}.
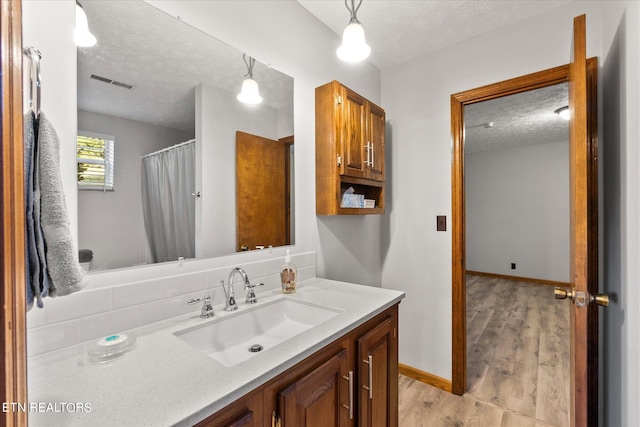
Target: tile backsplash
{"points": [[128, 299]]}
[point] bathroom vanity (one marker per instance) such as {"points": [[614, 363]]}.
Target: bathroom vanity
{"points": [[340, 367], [350, 382]]}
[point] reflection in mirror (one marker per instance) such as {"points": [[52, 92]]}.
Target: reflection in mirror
{"points": [[516, 165], [152, 84]]}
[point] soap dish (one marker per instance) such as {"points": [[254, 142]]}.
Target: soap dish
{"points": [[111, 347]]}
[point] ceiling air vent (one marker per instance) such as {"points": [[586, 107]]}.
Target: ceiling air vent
{"points": [[112, 82], [124, 85]]}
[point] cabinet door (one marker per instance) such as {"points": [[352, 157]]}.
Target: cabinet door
{"points": [[319, 399], [375, 141], [352, 129], [244, 412], [378, 376]]}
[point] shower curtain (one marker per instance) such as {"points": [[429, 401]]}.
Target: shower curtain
{"points": [[168, 181]]}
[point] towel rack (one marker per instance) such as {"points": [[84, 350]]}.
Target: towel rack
{"points": [[34, 90]]}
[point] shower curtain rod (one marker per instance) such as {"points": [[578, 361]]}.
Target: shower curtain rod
{"points": [[169, 148]]}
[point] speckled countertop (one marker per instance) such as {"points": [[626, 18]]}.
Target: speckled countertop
{"points": [[164, 381]]}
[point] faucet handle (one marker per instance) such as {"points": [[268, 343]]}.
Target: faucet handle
{"points": [[248, 285], [251, 295], [195, 300], [207, 309]]}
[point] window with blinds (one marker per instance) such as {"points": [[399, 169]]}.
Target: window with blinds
{"points": [[95, 156]]}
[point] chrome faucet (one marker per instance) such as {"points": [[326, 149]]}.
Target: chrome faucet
{"points": [[207, 309], [230, 304]]}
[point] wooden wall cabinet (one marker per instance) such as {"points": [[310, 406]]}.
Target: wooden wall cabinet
{"points": [[333, 387], [350, 150]]}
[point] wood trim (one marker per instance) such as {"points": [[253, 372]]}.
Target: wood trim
{"points": [[288, 141], [524, 83], [458, 232], [12, 267], [424, 377], [592, 176], [520, 279], [531, 81]]}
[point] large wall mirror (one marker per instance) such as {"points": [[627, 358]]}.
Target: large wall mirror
{"points": [[165, 94]]}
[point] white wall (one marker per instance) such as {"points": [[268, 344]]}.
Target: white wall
{"points": [[118, 239], [416, 97], [620, 92], [517, 211], [48, 26], [218, 116]]}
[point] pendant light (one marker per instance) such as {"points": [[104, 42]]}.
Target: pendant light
{"points": [[564, 112], [354, 48], [249, 93], [82, 35]]}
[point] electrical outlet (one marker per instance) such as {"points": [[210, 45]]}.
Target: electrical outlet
{"points": [[513, 265]]}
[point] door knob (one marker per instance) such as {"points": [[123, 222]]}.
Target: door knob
{"points": [[600, 299], [560, 293]]}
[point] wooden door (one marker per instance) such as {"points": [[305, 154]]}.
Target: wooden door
{"points": [[352, 129], [318, 399], [377, 378], [262, 192], [375, 132], [584, 230]]}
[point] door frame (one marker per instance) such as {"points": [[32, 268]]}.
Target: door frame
{"points": [[12, 245], [520, 84]]}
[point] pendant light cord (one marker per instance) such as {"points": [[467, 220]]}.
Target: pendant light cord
{"points": [[353, 10], [250, 65]]}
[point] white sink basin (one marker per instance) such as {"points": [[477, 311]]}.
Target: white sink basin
{"points": [[228, 339]]}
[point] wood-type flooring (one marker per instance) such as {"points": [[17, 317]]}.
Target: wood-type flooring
{"points": [[517, 362]]}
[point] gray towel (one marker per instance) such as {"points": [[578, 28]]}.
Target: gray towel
{"points": [[31, 253], [41, 279], [67, 276]]}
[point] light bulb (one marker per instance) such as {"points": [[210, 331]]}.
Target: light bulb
{"points": [[564, 112], [249, 93], [354, 48], [83, 37]]}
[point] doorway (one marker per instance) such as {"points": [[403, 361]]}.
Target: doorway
{"points": [[583, 178], [525, 83], [518, 244]]}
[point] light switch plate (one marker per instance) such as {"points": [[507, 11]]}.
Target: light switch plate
{"points": [[441, 223]]}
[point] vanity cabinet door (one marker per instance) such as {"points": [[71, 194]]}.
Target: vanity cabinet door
{"points": [[319, 398], [245, 412], [377, 368]]}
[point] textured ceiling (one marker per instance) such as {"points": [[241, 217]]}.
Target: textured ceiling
{"points": [[525, 118], [164, 59], [402, 30]]}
